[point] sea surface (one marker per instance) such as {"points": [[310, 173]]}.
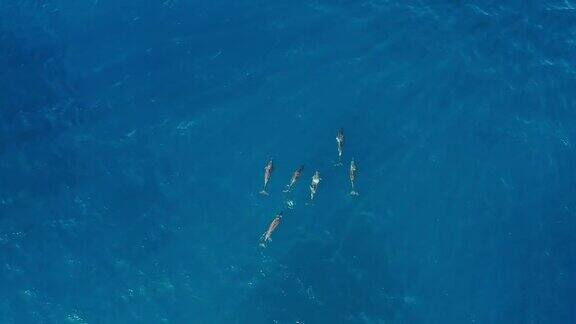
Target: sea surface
{"points": [[134, 135]]}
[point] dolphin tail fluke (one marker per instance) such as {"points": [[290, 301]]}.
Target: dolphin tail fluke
{"points": [[263, 240]]}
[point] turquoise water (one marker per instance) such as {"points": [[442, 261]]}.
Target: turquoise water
{"points": [[133, 137]]}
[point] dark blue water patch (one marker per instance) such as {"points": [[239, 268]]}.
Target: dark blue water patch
{"points": [[134, 138]]}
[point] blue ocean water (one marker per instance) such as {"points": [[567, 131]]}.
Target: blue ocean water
{"points": [[133, 137]]}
